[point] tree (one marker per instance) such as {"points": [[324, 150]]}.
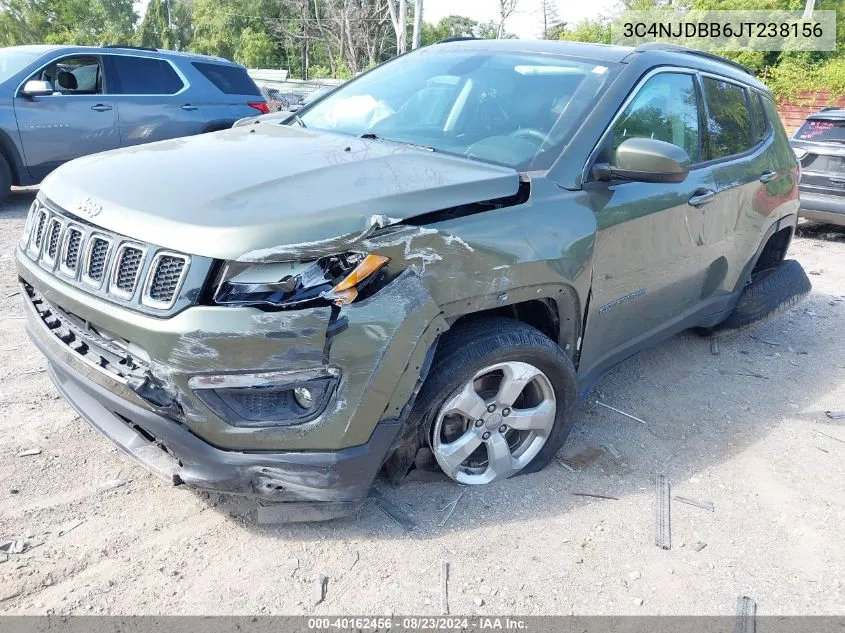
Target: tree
{"points": [[457, 26], [418, 21], [91, 22], [595, 30], [399, 17], [506, 9], [154, 30], [550, 19]]}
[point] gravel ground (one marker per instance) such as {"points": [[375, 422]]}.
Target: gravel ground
{"points": [[745, 430]]}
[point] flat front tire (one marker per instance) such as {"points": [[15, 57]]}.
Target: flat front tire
{"points": [[498, 401]]}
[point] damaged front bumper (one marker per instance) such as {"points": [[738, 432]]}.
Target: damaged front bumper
{"points": [[373, 364]]}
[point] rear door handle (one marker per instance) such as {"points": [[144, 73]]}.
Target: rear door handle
{"points": [[189, 107], [101, 107], [702, 197], [769, 176]]}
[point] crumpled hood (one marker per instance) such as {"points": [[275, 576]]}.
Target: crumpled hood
{"points": [[252, 189]]}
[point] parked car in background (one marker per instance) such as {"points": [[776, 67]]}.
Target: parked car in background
{"points": [[61, 102], [819, 145], [294, 103]]}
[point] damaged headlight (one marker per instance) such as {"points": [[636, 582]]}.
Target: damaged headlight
{"points": [[337, 279]]}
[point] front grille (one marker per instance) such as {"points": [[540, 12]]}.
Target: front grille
{"points": [[53, 239], [39, 230], [96, 264], [127, 268], [108, 264], [71, 256], [166, 276]]}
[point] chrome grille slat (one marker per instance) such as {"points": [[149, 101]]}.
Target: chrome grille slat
{"points": [[165, 277], [127, 266], [69, 254], [35, 245], [104, 263], [95, 260]]}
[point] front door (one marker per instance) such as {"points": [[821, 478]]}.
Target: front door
{"points": [[649, 259], [77, 119]]}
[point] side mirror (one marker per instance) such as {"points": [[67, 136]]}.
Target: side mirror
{"points": [[646, 160], [37, 88]]}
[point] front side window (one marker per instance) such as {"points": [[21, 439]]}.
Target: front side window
{"points": [[509, 108], [729, 120], [73, 76], [144, 76], [665, 109]]}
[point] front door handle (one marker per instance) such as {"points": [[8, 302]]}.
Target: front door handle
{"points": [[189, 107], [769, 176], [701, 197], [101, 107]]}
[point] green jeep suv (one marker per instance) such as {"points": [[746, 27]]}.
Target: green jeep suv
{"points": [[444, 253]]}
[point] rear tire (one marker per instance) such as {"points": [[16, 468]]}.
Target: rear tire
{"points": [[520, 392], [771, 292]]}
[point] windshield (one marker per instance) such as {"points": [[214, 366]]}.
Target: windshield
{"points": [[13, 60], [821, 131], [508, 108]]}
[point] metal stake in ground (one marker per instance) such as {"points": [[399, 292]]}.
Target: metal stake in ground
{"points": [[746, 614], [444, 587], [663, 532]]}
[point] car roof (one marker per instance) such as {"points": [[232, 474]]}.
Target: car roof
{"points": [[829, 113], [656, 54], [157, 52]]}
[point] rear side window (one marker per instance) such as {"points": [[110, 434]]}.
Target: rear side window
{"points": [[231, 80], [761, 124], [822, 130], [144, 76], [666, 109], [729, 120]]}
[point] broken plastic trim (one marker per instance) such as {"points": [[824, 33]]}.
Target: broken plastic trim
{"points": [[432, 217], [267, 399], [333, 279]]}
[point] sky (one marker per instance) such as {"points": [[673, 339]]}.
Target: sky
{"points": [[526, 22]]}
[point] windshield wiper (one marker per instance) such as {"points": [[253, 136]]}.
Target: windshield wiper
{"points": [[299, 120], [372, 136]]}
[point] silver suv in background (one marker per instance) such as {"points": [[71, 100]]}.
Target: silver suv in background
{"points": [[58, 103], [819, 145]]}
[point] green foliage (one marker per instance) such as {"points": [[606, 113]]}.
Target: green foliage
{"points": [[596, 30], [457, 26], [154, 30], [90, 22]]}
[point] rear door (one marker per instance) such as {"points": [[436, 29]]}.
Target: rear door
{"points": [[79, 118], [739, 154], [228, 91], [152, 99], [650, 266]]}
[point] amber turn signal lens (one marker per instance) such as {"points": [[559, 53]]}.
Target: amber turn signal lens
{"points": [[370, 265]]}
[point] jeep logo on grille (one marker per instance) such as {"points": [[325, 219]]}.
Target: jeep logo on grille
{"points": [[89, 207]]}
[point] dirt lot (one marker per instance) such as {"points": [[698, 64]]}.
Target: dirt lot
{"points": [[745, 430]]}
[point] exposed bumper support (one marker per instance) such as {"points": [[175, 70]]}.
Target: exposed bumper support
{"points": [[311, 485]]}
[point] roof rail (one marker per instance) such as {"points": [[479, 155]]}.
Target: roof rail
{"points": [[458, 38], [677, 48], [129, 46], [830, 108]]}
